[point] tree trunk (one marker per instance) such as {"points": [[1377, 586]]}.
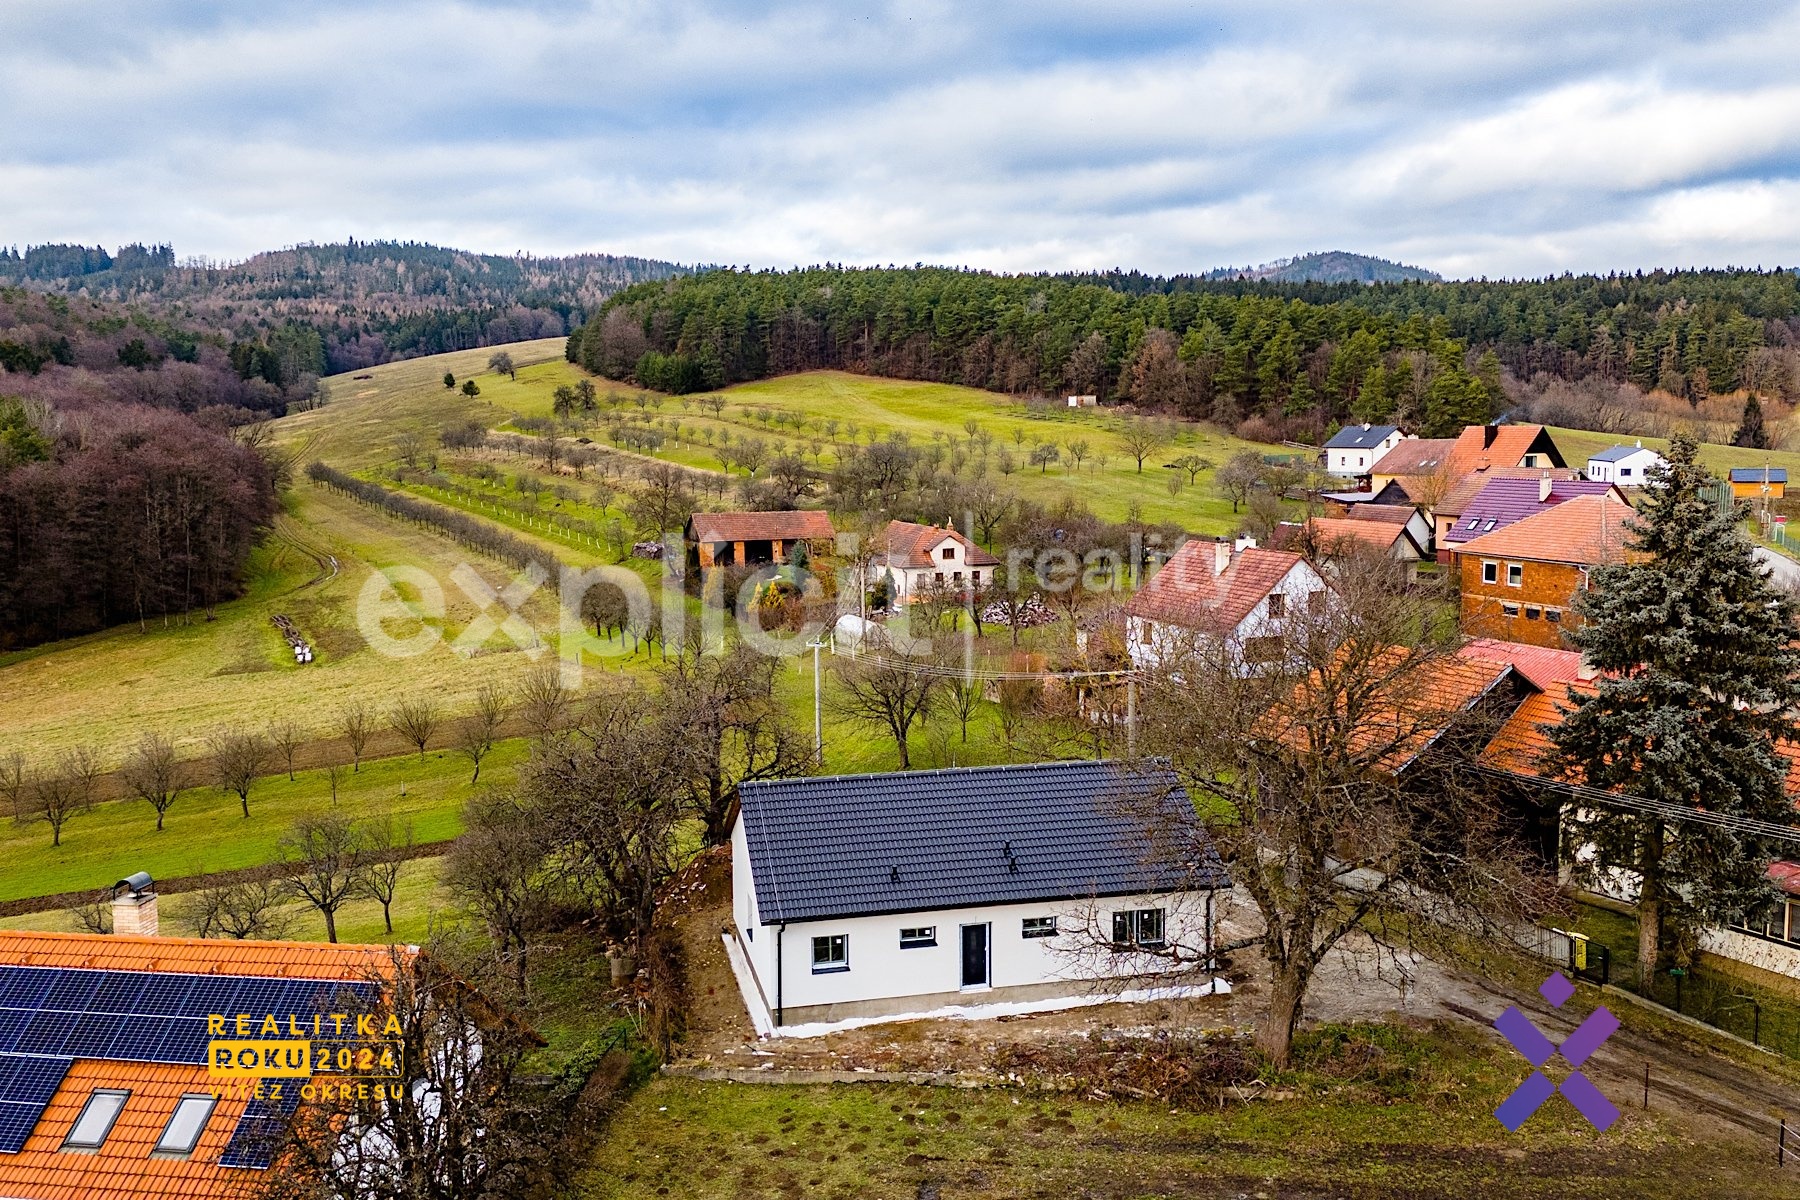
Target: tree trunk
{"points": [[905, 759], [244, 799], [1650, 904], [330, 924], [387, 916], [1275, 1030]]}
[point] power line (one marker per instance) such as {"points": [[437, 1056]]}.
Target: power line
{"points": [[1666, 809]]}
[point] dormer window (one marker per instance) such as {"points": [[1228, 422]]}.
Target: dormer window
{"points": [[96, 1119], [949, 553]]}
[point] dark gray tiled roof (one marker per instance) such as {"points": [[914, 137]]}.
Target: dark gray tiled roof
{"points": [[1358, 437], [912, 841]]}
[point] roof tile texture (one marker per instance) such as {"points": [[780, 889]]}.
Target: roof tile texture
{"points": [[1583, 531], [805, 524], [910, 545]]}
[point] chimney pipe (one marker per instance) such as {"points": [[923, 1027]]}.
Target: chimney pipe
{"points": [[1221, 557], [134, 906], [1544, 488]]}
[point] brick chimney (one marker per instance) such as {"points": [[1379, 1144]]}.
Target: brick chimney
{"points": [[1221, 557], [134, 906], [1544, 487]]}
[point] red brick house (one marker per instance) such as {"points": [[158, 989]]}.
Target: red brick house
{"points": [[1520, 582]]}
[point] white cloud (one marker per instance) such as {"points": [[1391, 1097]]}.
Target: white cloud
{"points": [[1490, 138]]}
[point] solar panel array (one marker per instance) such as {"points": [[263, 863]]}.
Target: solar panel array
{"points": [[260, 1130], [26, 1084], [50, 1016]]}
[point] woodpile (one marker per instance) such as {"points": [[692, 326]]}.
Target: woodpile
{"points": [[301, 647]]}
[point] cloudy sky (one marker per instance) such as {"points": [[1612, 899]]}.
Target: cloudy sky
{"points": [[1482, 137]]}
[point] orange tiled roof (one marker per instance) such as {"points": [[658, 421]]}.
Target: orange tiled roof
{"points": [[1543, 666], [122, 1168], [1189, 592], [195, 956], [1508, 447], [909, 545], [805, 524], [1583, 531], [1379, 534]]}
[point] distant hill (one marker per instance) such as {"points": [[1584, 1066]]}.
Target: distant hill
{"points": [[1331, 266], [369, 301]]}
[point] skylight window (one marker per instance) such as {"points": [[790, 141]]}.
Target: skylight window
{"points": [[183, 1131], [96, 1120]]}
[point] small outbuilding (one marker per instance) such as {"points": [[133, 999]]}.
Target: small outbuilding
{"points": [[861, 896], [1627, 466], [717, 539], [1759, 483]]}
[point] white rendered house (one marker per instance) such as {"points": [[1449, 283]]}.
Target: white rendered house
{"points": [[1354, 449], [879, 895], [917, 558], [1234, 590], [1627, 466]]}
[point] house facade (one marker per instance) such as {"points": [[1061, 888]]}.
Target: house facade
{"points": [[1520, 583], [1627, 466], [1354, 449], [919, 558], [881, 895], [1234, 590]]}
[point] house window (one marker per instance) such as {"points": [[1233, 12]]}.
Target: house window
{"points": [[923, 935], [1533, 612], [940, 577], [1531, 460], [1037, 927], [183, 1131], [1553, 615], [1515, 574], [1146, 633], [1511, 610], [831, 953], [1490, 572], [1277, 604], [1315, 602], [1489, 527], [949, 553], [96, 1120], [1624, 471], [975, 578], [956, 577], [1138, 927], [1473, 522]]}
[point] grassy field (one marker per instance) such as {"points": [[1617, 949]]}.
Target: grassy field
{"points": [[1411, 1117], [206, 831], [1577, 444]]}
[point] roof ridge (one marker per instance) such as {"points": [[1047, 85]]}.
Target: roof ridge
{"points": [[991, 767]]}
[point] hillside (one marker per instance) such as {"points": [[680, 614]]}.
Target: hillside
{"points": [[370, 302], [1330, 266]]}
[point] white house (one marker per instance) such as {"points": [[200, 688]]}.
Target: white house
{"points": [[1234, 590], [1627, 466], [883, 895], [918, 557], [1354, 449]]}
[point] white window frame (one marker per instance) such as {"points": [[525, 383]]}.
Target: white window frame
{"points": [[1490, 571], [1037, 927], [1139, 927], [917, 937], [1515, 574]]}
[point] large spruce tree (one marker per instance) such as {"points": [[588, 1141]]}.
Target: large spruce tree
{"points": [[1699, 682]]}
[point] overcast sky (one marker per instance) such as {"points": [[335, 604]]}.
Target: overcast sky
{"points": [[1480, 137]]}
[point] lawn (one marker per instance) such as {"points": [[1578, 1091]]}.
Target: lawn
{"points": [[206, 831], [1426, 1130]]}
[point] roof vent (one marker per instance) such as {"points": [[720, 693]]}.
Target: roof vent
{"points": [[134, 906], [894, 874]]}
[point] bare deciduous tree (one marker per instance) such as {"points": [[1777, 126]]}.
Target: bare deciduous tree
{"points": [[1142, 437], [357, 725], [14, 780], [247, 909], [388, 846], [325, 857], [414, 718], [544, 699], [239, 756], [286, 738], [1343, 758], [884, 689], [480, 727], [154, 774]]}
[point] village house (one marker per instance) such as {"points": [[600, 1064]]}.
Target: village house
{"points": [[1506, 501], [1759, 483], [881, 895], [1627, 466], [914, 559], [1353, 449], [1519, 583], [1407, 516], [717, 539], [1234, 590], [1326, 538], [1457, 496], [1428, 468]]}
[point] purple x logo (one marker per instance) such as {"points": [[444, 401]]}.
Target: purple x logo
{"points": [[1517, 1028]]}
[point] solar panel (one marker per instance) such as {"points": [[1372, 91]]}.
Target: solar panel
{"points": [[260, 1130], [52, 1015], [26, 1085]]}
